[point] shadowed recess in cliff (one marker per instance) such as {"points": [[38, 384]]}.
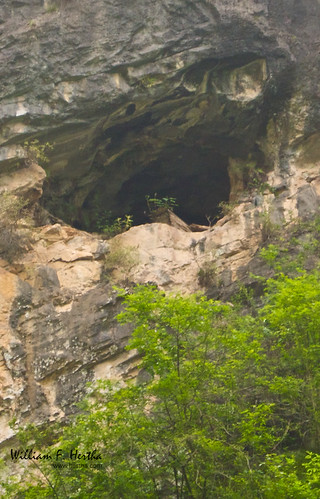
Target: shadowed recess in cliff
{"points": [[195, 176], [191, 137]]}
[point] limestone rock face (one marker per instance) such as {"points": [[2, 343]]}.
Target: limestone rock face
{"points": [[58, 328], [57, 306], [222, 256], [204, 101], [142, 97]]}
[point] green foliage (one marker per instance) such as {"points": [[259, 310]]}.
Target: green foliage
{"points": [[151, 80], [270, 254], [256, 180], [244, 297], [292, 317], [226, 207], [269, 229], [112, 227], [166, 203], [230, 407], [37, 152], [285, 477], [295, 252]]}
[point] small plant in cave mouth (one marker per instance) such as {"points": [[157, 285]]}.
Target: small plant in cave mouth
{"points": [[111, 227], [226, 207], [160, 204]]}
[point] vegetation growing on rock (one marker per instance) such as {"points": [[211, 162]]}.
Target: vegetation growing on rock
{"points": [[229, 407], [112, 227], [37, 152], [200, 101], [120, 259]]}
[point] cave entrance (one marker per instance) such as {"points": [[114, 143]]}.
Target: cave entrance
{"points": [[197, 178]]}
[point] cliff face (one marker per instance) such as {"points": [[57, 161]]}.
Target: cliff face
{"points": [[202, 101], [141, 98]]}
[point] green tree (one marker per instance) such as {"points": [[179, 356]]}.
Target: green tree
{"points": [[292, 317], [228, 407]]}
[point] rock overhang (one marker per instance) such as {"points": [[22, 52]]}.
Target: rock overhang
{"points": [[170, 95], [177, 141]]}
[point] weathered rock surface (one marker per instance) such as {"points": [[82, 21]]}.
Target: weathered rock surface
{"points": [[203, 101], [58, 328], [175, 259], [57, 306], [141, 98]]}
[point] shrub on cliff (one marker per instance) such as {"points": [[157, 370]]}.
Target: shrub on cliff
{"points": [[37, 152]]}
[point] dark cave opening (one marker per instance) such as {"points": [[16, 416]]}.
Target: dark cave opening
{"points": [[198, 181], [199, 147], [195, 176]]}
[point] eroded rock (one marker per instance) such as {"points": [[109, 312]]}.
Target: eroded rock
{"points": [[204, 102], [140, 99]]}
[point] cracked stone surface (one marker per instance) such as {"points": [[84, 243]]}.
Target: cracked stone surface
{"points": [[186, 99], [141, 98]]}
